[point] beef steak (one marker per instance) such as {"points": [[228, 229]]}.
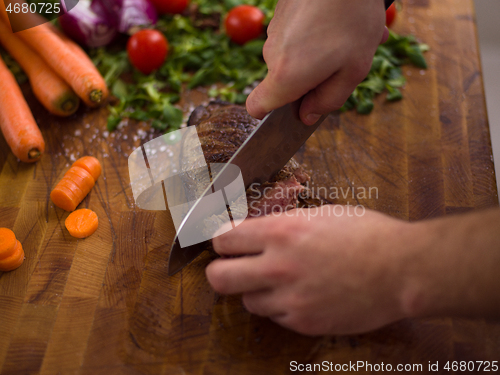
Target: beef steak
{"points": [[222, 128]]}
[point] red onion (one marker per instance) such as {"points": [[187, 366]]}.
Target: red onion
{"points": [[126, 15], [86, 27]]}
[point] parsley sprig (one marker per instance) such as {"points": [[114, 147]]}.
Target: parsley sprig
{"points": [[385, 73]]}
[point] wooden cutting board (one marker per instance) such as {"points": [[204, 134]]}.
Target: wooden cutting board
{"points": [[105, 305]]}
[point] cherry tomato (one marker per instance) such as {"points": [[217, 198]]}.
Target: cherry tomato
{"points": [[244, 23], [170, 6], [147, 50], [390, 15]]}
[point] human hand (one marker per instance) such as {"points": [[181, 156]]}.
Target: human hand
{"points": [[321, 49], [316, 271]]}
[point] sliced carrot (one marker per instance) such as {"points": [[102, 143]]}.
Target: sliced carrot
{"points": [[11, 250], [78, 191], [64, 198], [82, 223], [16, 120], [91, 165], [83, 77], [50, 89], [15, 260], [76, 183], [81, 177], [7, 242]]}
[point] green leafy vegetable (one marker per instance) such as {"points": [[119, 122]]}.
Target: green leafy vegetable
{"points": [[200, 54], [385, 73]]}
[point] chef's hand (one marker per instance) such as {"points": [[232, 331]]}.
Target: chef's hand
{"points": [[315, 274], [318, 272], [322, 49]]}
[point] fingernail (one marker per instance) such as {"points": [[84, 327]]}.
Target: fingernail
{"points": [[312, 118]]}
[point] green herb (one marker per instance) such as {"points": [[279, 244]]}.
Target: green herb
{"points": [[197, 57], [385, 73], [201, 55], [14, 67]]}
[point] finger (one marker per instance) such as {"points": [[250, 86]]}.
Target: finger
{"points": [[263, 303], [331, 94], [248, 238], [385, 35], [237, 275], [269, 95]]}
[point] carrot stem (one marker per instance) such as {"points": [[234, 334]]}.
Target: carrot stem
{"points": [[81, 75], [49, 88]]}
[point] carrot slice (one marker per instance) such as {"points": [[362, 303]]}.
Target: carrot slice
{"points": [[50, 89], [7, 242], [82, 223], [64, 198], [81, 177], [16, 120], [76, 183], [13, 261], [83, 77], [91, 165]]}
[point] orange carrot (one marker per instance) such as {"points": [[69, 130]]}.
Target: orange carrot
{"points": [[91, 165], [82, 223], [11, 251], [83, 77], [75, 48], [7, 242], [50, 89], [81, 177], [16, 120], [76, 183]]}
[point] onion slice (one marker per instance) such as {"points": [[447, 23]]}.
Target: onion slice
{"points": [[85, 27], [128, 16]]}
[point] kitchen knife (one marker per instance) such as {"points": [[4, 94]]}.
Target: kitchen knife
{"points": [[263, 154]]}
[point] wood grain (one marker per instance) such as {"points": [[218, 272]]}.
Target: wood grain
{"points": [[105, 305]]}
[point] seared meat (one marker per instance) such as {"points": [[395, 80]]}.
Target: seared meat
{"points": [[222, 128]]}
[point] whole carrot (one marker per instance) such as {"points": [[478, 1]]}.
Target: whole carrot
{"points": [[76, 183], [50, 89], [16, 120], [83, 77]]}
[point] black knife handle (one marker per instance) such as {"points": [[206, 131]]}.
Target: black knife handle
{"points": [[388, 3]]}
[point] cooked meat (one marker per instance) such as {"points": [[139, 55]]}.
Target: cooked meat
{"points": [[222, 128]]}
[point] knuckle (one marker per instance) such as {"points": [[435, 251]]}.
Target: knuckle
{"points": [[283, 231], [280, 70], [361, 70], [276, 273]]}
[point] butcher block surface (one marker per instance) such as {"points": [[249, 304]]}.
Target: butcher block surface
{"points": [[105, 305]]}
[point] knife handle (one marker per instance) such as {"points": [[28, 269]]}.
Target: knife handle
{"points": [[388, 3]]}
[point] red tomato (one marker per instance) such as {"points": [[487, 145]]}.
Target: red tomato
{"points": [[390, 15], [244, 23], [170, 6], [147, 50]]}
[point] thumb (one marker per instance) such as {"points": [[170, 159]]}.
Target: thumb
{"points": [[269, 95]]}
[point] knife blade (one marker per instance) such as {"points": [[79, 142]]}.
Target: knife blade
{"points": [[264, 153]]}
